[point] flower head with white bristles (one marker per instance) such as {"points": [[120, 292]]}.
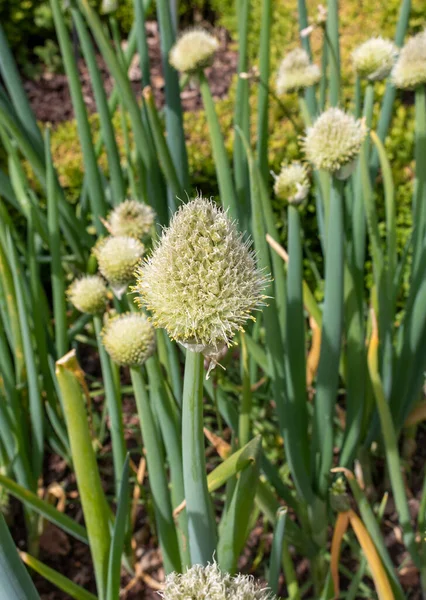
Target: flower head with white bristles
{"points": [[375, 58], [210, 583], [334, 142], [410, 69], [292, 183], [131, 218], [194, 50], [117, 259], [129, 339], [88, 294], [201, 282], [296, 72]]}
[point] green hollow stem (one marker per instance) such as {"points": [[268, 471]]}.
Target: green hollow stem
{"points": [[95, 507], [276, 553], [419, 196], [201, 523], [331, 334], [296, 411], [263, 93], [113, 401], [244, 424], [157, 475], [223, 169], [306, 45], [168, 418], [332, 39]]}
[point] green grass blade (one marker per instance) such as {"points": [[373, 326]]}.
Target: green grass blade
{"points": [[263, 93], [95, 188], [16, 583], [277, 549], [118, 189], [118, 535], [60, 581], [46, 510]]}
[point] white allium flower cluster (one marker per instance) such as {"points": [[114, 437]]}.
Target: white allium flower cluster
{"points": [[117, 259], [201, 282], [292, 183], [129, 339], [375, 58], [88, 294], [296, 72], [334, 141], [131, 218], [210, 583], [194, 50], [410, 69]]}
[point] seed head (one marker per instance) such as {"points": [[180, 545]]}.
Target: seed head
{"points": [[410, 69], [292, 183], [117, 259], [296, 72], [131, 218], [209, 583], [88, 294], [194, 50], [129, 339], [334, 141], [201, 282], [375, 58]]}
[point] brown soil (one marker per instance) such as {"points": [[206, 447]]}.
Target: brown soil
{"points": [[51, 101]]}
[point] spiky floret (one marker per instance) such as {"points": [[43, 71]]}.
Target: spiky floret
{"points": [[194, 50], [334, 141], [375, 58], [292, 183], [88, 294], [210, 583], [117, 260], [129, 339], [131, 218], [201, 282], [296, 72], [410, 69]]}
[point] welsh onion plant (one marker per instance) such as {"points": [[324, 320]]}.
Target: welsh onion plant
{"points": [[344, 374]]}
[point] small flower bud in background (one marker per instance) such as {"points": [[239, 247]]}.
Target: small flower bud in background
{"points": [[201, 282], [131, 218], [129, 339], [117, 260], [292, 183], [210, 583], [296, 72], [410, 69], [334, 142], [88, 294], [193, 51], [375, 58]]}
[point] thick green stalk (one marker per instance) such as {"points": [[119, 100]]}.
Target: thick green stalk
{"points": [[95, 187], [223, 169], [331, 334], [277, 550], [332, 33], [263, 93], [306, 45], [95, 507], [118, 189], [244, 424], [174, 120], [419, 196], [157, 475], [57, 273], [242, 116], [170, 429], [296, 406], [201, 522], [113, 401]]}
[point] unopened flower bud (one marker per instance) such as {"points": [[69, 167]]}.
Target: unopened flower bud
{"points": [[296, 72], [210, 583], [88, 294], [334, 142], [131, 218], [117, 260], [129, 339], [292, 183], [201, 282], [410, 69], [375, 58], [194, 50]]}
